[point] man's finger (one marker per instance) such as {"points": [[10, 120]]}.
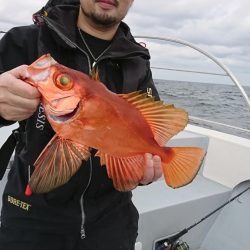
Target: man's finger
{"points": [[23, 89], [148, 169], [157, 167], [152, 168], [18, 87]]}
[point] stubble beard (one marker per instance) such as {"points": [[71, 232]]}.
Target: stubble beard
{"points": [[101, 20]]}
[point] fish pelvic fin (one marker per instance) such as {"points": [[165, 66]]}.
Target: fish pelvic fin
{"points": [[165, 120], [57, 163], [182, 165], [125, 172]]}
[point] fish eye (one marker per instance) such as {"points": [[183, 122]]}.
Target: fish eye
{"points": [[64, 81]]}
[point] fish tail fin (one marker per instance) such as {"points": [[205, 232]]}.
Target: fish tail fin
{"points": [[182, 165]]}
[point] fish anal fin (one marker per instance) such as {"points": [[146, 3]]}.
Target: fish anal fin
{"points": [[125, 172], [165, 120], [57, 163], [182, 165]]}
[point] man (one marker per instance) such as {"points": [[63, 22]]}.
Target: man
{"points": [[87, 212]]}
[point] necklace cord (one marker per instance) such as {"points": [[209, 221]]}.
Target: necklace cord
{"points": [[89, 50]]}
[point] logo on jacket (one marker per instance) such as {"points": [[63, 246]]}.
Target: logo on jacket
{"points": [[23, 205], [41, 118]]}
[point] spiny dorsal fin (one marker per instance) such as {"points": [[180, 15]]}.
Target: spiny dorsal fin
{"points": [[164, 119], [57, 163]]}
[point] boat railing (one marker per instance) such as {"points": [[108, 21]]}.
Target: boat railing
{"points": [[205, 53], [194, 118], [202, 51], [227, 73], [190, 71]]}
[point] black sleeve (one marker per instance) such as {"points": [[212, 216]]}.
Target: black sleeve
{"points": [[4, 50], [4, 122], [8, 49], [17, 47]]}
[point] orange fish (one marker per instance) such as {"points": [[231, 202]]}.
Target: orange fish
{"points": [[123, 127]]}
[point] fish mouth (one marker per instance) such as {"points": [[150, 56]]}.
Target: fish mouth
{"points": [[65, 117]]}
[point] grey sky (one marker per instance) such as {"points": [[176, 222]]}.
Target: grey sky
{"points": [[221, 27]]}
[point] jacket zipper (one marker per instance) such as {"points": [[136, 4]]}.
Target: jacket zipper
{"points": [[74, 45], [83, 217], [68, 41]]}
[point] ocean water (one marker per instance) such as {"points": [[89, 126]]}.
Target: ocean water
{"points": [[215, 102]]}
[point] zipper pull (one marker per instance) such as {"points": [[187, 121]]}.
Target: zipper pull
{"points": [[95, 73], [28, 191], [93, 65]]}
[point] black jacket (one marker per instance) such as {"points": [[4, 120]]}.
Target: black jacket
{"points": [[126, 61]]}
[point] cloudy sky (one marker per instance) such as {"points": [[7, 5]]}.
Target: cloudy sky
{"points": [[220, 27]]}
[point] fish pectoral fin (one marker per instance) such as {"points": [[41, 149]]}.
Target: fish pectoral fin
{"points": [[165, 120], [183, 165], [125, 172], [57, 163]]}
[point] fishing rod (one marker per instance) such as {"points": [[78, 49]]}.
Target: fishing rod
{"points": [[173, 242]]}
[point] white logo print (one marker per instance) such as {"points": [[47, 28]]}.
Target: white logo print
{"points": [[41, 118]]}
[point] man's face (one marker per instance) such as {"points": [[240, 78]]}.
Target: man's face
{"points": [[105, 12]]}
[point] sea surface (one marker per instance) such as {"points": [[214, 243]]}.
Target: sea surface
{"points": [[215, 102]]}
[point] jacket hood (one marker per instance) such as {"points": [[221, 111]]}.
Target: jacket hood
{"points": [[61, 17], [51, 3]]}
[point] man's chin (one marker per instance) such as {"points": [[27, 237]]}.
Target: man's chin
{"points": [[104, 20], [101, 19]]}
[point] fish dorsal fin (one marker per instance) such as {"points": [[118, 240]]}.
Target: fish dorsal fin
{"points": [[57, 163], [164, 119], [125, 172]]}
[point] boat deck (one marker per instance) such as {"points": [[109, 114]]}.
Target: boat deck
{"points": [[165, 211]]}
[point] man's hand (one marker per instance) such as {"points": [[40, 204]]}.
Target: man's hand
{"points": [[152, 168], [18, 100]]}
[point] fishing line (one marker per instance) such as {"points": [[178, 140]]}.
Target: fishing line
{"points": [[173, 242]]}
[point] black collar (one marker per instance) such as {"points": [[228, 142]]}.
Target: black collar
{"points": [[61, 17]]}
